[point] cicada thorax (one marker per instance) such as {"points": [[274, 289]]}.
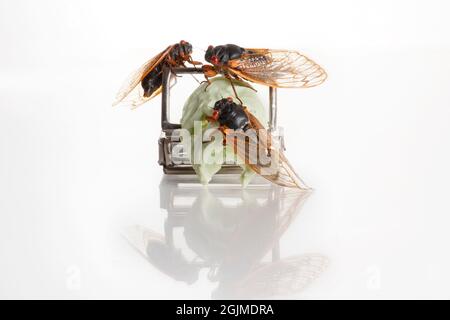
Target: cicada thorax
{"points": [[221, 55], [231, 115], [178, 55]]}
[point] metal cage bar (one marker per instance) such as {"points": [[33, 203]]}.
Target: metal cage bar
{"points": [[168, 127], [165, 101]]}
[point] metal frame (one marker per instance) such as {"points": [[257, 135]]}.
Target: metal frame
{"points": [[168, 127]]}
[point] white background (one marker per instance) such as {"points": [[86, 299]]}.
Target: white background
{"points": [[373, 141]]}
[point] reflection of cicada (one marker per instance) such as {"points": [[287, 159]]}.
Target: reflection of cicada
{"points": [[249, 134], [149, 76], [275, 68]]}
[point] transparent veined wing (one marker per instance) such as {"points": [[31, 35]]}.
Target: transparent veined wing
{"points": [[247, 146], [135, 78], [278, 68]]}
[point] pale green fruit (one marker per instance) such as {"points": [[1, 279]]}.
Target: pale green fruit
{"points": [[199, 105]]}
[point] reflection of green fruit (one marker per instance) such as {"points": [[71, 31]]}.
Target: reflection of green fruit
{"points": [[199, 105]]}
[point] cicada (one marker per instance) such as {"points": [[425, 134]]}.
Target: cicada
{"points": [[274, 68], [149, 76], [235, 121]]}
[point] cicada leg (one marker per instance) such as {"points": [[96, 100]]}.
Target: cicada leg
{"points": [[194, 63], [209, 72], [225, 131], [234, 88], [206, 81], [246, 84]]}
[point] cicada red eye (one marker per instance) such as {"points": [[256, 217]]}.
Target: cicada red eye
{"points": [[215, 60], [215, 115]]}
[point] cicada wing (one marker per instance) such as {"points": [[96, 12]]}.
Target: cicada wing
{"points": [[284, 176], [139, 238], [281, 172], [264, 136], [278, 68], [136, 77], [136, 97], [284, 277]]}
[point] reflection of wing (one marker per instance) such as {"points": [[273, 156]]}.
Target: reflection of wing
{"points": [[136, 77], [282, 173], [139, 237], [284, 277], [259, 232], [278, 68]]}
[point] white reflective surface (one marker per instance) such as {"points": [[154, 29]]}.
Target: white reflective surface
{"points": [[76, 174], [233, 234]]}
